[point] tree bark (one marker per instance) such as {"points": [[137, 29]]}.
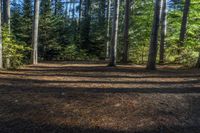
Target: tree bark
{"points": [[56, 4], [198, 62], [6, 8], [163, 30], [85, 26], [184, 23], [80, 11], [1, 47], [126, 32], [35, 33], [151, 64], [108, 30], [7, 13], [114, 38], [66, 9], [4, 11]]}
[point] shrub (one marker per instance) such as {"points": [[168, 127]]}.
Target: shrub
{"points": [[13, 52]]}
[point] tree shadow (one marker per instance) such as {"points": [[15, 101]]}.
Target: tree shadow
{"points": [[28, 126]]}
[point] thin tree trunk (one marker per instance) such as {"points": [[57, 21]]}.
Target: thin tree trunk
{"points": [[4, 11], [6, 8], [126, 32], [70, 9], [66, 9], [184, 23], [113, 56], [1, 47], [85, 26], [151, 64], [56, 6], [108, 30], [73, 11], [7, 14], [163, 30], [35, 33], [80, 11], [198, 62]]}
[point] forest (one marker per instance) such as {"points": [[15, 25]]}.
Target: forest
{"points": [[99, 66], [125, 32]]}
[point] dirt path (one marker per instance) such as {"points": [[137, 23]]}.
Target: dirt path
{"points": [[81, 98]]}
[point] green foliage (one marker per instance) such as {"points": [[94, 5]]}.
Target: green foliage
{"points": [[12, 50], [140, 29], [65, 36], [72, 53]]}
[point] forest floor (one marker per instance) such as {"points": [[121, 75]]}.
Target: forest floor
{"points": [[92, 98]]}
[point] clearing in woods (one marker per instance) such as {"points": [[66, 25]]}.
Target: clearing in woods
{"points": [[93, 98]]}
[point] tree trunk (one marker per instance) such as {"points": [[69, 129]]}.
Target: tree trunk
{"points": [[114, 38], [6, 9], [184, 23], [35, 33], [7, 13], [198, 62], [126, 32], [66, 9], [73, 10], [163, 30], [85, 26], [1, 48], [56, 6], [80, 11], [151, 64], [108, 30]]}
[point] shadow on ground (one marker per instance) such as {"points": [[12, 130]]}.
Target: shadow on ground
{"points": [[27, 99]]}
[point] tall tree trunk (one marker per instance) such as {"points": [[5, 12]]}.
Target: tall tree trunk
{"points": [[114, 38], [66, 9], [6, 9], [163, 30], [108, 29], [1, 48], [73, 10], [7, 13], [56, 6], [85, 26], [35, 32], [80, 11], [126, 32], [151, 64], [184, 23]]}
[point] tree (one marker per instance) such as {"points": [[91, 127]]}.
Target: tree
{"points": [[58, 9], [114, 38], [1, 47], [126, 32], [51, 34], [184, 22], [85, 26], [151, 64], [108, 29], [163, 30], [6, 8], [27, 21], [35, 32], [7, 13]]}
